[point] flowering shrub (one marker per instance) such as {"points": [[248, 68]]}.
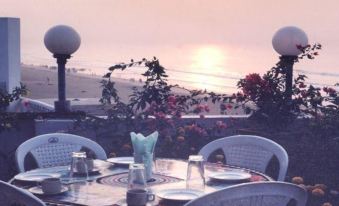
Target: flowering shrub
{"points": [[154, 106], [319, 194], [268, 92]]}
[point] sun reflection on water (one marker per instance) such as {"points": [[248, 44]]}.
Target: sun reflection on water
{"points": [[209, 60]]}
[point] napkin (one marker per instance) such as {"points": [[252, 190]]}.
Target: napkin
{"points": [[142, 144], [143, 150]]}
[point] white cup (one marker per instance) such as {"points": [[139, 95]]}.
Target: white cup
{"points": [[51, 186], [138, 197]]}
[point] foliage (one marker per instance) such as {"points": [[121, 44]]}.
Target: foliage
{"points": [[8, 120], [156, 105], [6, 98], [268, 92], [327, 114]]}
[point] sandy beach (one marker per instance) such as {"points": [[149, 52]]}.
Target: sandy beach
{"points": [[43, 84], [83, 90]]}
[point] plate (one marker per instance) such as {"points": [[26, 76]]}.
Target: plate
{"points": [[231, 176], [94, 171], [183, 195], [36, 176], [121, 160], [37, 190]]}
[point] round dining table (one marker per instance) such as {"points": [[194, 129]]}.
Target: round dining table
{"points": [[108, 185]]}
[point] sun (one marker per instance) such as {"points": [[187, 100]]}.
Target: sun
{"points": [[208, 63], [208, 57]]}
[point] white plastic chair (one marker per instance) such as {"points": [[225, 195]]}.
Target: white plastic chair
{"points": [[11, 195], [254, 194], [251, 152], [55, 149]]}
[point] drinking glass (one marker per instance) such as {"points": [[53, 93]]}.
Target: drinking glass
{"points": [[78, 165], [146, 158], [162, 166], [137, 192], [195, 173], [136, 177]]}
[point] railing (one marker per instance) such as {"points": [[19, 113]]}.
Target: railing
{"points": [[30, 105]]}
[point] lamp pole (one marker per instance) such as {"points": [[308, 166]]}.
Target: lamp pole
{"points": [[62, 41], [286, 42], [62, 105], [287, 63]]}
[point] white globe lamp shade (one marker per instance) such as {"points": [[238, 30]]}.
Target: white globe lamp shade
{"points": [[62, 39], [286, 40]]}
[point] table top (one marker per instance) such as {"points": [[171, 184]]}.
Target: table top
{"points": [[109, 186]]}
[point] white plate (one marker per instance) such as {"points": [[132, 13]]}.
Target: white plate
{"points": [[231, 176], [38, 190], [179, 194], [36, 176], [121, 160]]}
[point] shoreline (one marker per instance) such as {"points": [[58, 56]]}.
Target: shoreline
{"points": [[83, 90]]}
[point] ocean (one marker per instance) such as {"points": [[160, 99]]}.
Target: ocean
{"points": [[198, 67]]}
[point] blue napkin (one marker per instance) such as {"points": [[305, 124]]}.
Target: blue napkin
{"points": [[143, 150]]}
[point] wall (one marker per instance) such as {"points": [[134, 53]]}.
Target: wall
{"points": [[10, 53]]}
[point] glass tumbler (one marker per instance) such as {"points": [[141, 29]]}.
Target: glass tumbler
{"points": [[79, 165], [195, 173], [136, 177]]}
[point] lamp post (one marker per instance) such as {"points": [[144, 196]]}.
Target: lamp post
{"points": [[62, 41], [285, 42]]}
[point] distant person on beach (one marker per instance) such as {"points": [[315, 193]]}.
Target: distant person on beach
{"points": [[47, 80]]}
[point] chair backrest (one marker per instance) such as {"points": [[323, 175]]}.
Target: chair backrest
{"points": [[254, 194], [11, 195], [55, 149], [252, 152]]}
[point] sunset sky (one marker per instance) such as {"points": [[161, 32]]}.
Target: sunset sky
{"points": [[232, 36]]}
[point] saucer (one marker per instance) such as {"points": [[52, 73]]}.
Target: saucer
{"points": [[124, 161], [36, 176], [37, 190], [181, 195], [231, 176]]}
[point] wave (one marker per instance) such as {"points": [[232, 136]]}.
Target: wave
{"points": [[327, 74], [228, 78]]}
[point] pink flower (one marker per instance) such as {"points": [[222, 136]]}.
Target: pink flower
{"points": [[26, 103], [160, 115], [303, 93], [199, 108], [332, 92], [171, 105], [196, 130], [221, 125], [172, 99], [302, 85], [207, 109]]}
